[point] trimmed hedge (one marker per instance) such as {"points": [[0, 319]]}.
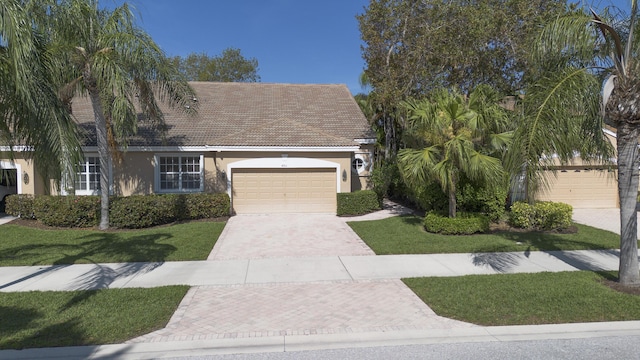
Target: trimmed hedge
{"points": [[463, 224], [358, 202], [20, 205], [131, 212], [139, 211], [67, 211], [543, 215]]}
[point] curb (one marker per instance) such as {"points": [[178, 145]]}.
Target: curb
{"points": [[331, 341]]}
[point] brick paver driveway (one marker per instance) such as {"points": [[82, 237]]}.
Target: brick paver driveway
{"points": [[287, 235], [212, 312]]}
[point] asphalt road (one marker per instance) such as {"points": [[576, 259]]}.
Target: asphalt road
{"points": [[627, 347]]}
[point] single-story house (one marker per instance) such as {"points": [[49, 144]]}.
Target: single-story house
{"points": [[271, 147]]}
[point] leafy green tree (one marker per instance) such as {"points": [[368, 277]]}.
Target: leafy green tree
{"points": [[588, 51], [30, 112], [231, 66], [456, 136], [102, 54], [412, 47]]}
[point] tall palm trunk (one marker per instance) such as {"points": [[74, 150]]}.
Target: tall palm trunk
{"points": [[103, 150], [627, 144], [452, 203]]}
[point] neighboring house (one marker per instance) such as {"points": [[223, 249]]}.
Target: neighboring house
{"points": [[271, 147], [584, 185]]}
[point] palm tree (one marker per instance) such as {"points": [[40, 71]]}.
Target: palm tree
{"points": [[457, 136], [105, 56], [30, 112], [590, 51]]}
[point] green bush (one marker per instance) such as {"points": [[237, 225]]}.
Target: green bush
{"points": [[140, 211], [386, 181], [357, 203], [20, 205], [463, 224], [543, 215], [490, 201], [430, 197], [67, 211], [132, 212], [206, 206], [471, 198]]}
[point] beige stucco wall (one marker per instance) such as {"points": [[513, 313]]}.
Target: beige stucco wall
{"points": [[34, 183], [135, 174], [361, 181]]}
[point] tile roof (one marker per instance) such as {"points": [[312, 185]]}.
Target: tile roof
{"points": [[252, 114]]}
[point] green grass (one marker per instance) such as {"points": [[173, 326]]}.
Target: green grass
{"points": [[406, 235], [21, 245], [518, 299], [44, 319]]}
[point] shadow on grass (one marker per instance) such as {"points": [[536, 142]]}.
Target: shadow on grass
{"points": [[19, 320], [134, 255], [411, 220], [512, 249], [93, 248]]}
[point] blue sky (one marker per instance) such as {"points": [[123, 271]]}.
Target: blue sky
{"points": [[295, 41]]}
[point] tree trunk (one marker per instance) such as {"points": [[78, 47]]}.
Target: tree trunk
{"points": [[452, 203], [104, 155], [390, 136], [627, 146]]}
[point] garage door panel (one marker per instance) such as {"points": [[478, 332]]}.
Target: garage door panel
{"points": [[582, 189], [284, 190]]}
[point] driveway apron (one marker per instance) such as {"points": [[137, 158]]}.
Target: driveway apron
{"points": [[301, 308]]}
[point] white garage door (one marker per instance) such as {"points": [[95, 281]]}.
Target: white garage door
{"points": [[283, 190], [583, 188]]}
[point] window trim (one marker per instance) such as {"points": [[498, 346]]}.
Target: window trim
{"points": [[69, 190], [156, 177], [87, 174], [364, 166]]}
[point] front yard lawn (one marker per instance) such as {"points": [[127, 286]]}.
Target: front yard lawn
{"points": [[20, 245], [519, 299], [45, 319], [406, 235]]}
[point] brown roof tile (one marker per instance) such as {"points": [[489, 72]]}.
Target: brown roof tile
{"points": [[253, 114]]}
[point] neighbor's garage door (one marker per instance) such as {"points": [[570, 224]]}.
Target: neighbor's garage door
{"points": [[283, 190], [583, 189]]}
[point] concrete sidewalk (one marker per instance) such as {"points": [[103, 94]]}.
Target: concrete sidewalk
{"points": [[297, 270]]}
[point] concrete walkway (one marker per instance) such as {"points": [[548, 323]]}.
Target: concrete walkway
{"points": [[249, 297], [296, 270]]}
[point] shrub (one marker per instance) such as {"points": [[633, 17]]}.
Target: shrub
{"points": [[490, 201], [543, 215], [20, 205], [357, 203], [430, 198], [463, 224], [386, 181], [205, 206], [67, 211], [132, 212], [140, 211], [471, 198]]}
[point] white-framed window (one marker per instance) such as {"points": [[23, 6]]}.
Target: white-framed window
{"points": [[87, 179], [179, 173], [358, 164]]}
